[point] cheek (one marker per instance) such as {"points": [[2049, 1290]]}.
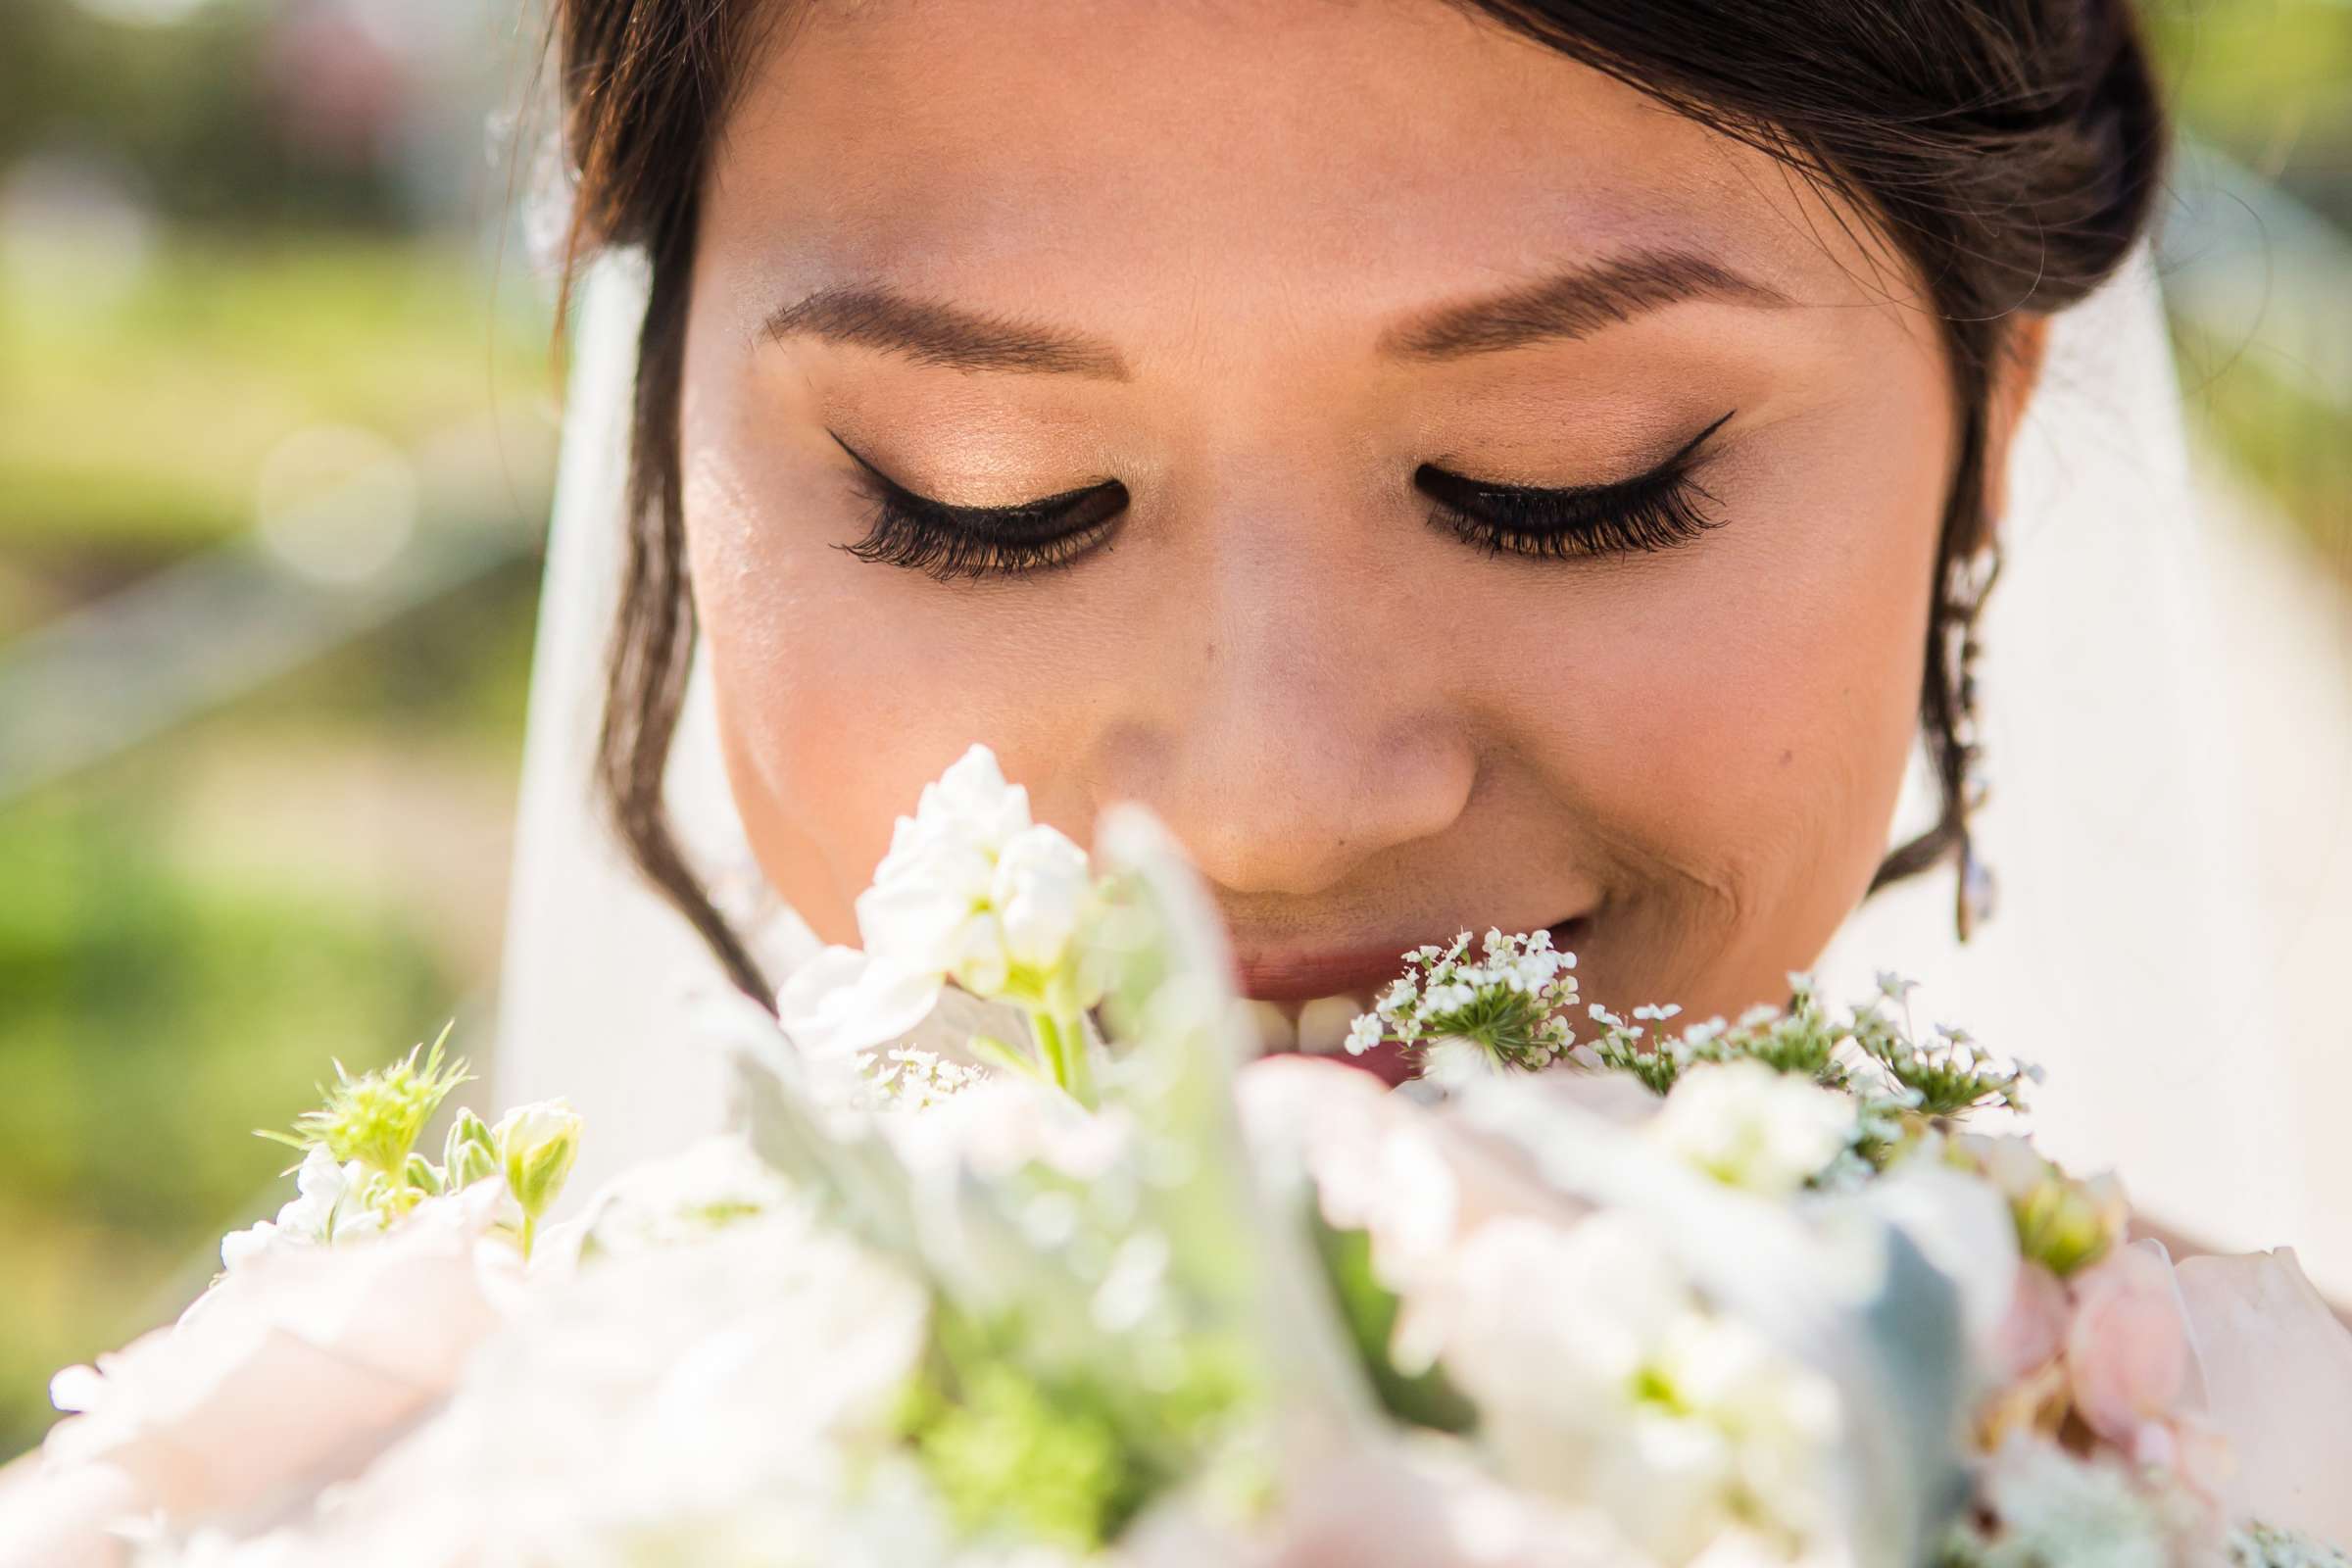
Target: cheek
{"points": [[1747, 708], [842, 687]]}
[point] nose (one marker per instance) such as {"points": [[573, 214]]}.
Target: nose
{"points": [[1291, 734]]}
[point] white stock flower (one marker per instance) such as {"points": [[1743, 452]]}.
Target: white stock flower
{"points": [[1041, 890], [925, 890], [842, 1002], [1601, 1378], [1751, 1127], [972, 798], [972, 891]]}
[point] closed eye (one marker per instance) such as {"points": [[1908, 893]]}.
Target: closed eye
{"points": [[1652, 511], [949, 542]]}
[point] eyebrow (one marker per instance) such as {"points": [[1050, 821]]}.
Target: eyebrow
{"points": [[934, 332], [1569, 304]]}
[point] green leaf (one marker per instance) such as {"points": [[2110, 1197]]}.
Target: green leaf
{"points": [[1370, 1309]]}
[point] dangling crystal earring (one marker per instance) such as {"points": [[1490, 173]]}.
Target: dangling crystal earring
{"points": [[1976, 895]]}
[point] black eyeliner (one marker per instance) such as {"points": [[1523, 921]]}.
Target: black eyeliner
{"points": [[1662, 471], [1019, 513]]}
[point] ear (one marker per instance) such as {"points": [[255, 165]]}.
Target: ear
{"points": [[2015, 372]]}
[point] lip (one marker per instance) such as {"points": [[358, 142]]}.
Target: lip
{"points": [[1292, 979], [1304, 976], [1361, 971]]}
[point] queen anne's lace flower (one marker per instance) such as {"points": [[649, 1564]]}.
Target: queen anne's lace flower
{"points": [[1508, 1004], [913, 1079]]}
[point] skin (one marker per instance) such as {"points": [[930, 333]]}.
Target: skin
{"points": [[1369, 733]]}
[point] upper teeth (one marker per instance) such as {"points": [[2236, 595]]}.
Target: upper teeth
{"points": [[1275, 1032], [1323, 1024], [1320, 1029]]}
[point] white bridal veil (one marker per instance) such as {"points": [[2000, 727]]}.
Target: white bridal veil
{"points": [[2129, 955]]}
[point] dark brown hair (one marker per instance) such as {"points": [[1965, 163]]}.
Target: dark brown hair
{"points": [[2012, 149]]}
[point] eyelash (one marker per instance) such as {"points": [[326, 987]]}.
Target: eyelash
{"points": [[1648, 512], [1652, 511], [973, 542]]}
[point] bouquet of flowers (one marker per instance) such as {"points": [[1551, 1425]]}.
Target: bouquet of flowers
{"points": [[1094, 1282]]}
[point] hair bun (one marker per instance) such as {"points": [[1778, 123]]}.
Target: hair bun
{"points": [[2123, 117]]}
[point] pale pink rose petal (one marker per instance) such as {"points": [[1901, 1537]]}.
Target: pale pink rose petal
{"points": [[51, 1518], [1618, 1096], [1344, 1122], [1376, 1506], [2126, 1349], [2277, 1369], [2035, 1331], [296, 1368]]}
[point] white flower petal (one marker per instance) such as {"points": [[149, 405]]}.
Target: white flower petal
{"points": [[980, 964], [1751, 1127], [913, 922], [842, 1002], [974, 797], [1041, 889]]}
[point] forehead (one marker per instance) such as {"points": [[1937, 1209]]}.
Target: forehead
{"points": [[1284, 159]]}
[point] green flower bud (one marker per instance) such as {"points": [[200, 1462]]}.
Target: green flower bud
{"points": [[470, 1151], [536, 1146], [2064, 1224], [422, 1175], [380, 1195]]}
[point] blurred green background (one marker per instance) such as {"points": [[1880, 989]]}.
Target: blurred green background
{"points": [[276, 403], [262, 670]]}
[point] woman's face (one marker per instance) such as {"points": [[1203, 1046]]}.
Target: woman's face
{"points": [[1250, 295]]}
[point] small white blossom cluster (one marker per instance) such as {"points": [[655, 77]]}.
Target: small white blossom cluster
{"points": [[2266, 1547], [2059, 1507], [1645, 1047], [328, 1206], [1509, 1001], [1946, 1074], [914, 1079]]}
